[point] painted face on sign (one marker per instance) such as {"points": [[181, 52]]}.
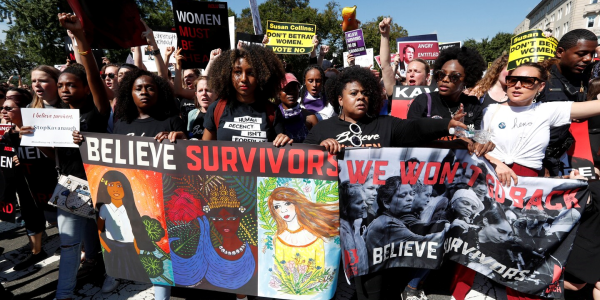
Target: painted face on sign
{"points": [[285, 209], [115, 190], [226, 223]]}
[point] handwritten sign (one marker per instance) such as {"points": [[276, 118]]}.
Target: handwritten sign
{"points": [[365, 61], [163, 40], [52, 127], [290, 38], [530, 46]]}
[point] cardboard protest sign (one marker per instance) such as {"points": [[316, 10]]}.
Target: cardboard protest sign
{"points": [[363, 61], [355, 42], [416, 217], [201, 27], [418, 46], [404, 95], [163, 40], [110, 24], [530, 46], [249, 39], [444, 46], [290, 38], [217, 215], [53, 128], [392, 56]]}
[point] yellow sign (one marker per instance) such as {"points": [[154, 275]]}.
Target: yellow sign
{"points": [[530, 46], [290, 38]]}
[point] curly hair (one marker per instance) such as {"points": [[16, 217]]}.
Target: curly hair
{"points": [[468, 58], [320, 219], [126, 109], [267, 68], [492, 75], [369, 82]]}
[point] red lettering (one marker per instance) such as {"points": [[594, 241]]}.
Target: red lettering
{"points": [[410, 177], [291, 168], [448, 173], [499, 190], [432, 165], [535, 200], [517, 194], [378, 172], [187, 45], [570, 200], [316, 165], [549, 204], [194, 57], [476, 172], [275, 165], [491, 182], [190, 151], [333, 161], [247, 162], [360, 175], [215, 159], [262, 160], [229, 161]]}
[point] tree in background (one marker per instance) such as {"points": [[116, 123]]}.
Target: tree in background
{"points": [[373, 39], [491, 49]]}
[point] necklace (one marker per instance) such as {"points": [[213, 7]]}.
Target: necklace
{"points": [[450, 111], [295, 231], [235, 252]]}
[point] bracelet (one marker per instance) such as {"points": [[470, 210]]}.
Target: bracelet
{"points": [[84, 53]]}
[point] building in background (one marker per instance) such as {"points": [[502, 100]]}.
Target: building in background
{"points": [[561, 16]]}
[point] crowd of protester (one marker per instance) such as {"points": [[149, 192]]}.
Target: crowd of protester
{"points": [[334, 108]]}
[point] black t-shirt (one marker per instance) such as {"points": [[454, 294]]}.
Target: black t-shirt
{"points": [[441, 109], [244, 122], [90, 120], [382, 131], [197, 129], [488, 100], [149, 127], [185, 106]]}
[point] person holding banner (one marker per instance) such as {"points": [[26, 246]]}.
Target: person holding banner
{"points": [[245, 80], [74, 85], [356, 94], [456, 69]]}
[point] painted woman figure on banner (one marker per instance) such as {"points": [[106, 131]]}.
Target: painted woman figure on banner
{"points": [[121, 241], [303, 227], [225, 257]]}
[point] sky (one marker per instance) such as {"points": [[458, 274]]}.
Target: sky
{"points": [[452, 20]]}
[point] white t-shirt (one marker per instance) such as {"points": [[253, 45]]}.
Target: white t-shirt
{"points": [[522, 133], [116, 223]]}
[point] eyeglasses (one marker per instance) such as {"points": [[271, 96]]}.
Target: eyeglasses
{"points": [[110, 75], [526, 81], [355, 140], [6, 108], [440, 75]]}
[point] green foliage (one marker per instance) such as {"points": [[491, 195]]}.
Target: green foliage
{"points": [[152, 265], [373, 39], [154, 228], [299, 276], [491, 49], [326, 191], [215, 237], [264, 215], [248, 231], [188, 235], [245, 189]]}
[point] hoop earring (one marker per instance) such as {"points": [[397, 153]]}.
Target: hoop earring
{"points": [[535, 97]]}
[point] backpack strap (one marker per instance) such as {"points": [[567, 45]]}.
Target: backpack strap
{"points": [[428, 105], [219, 109]]}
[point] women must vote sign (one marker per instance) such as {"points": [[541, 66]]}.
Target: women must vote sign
{"points": [[52, 127], [530, 46], [224, 216], [290, 38], [414, 207]]}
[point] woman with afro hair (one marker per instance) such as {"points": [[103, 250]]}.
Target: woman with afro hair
{"points": [[245, 79], [456, 69], [356, 95]]}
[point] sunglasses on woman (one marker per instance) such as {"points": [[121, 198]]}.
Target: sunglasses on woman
{"points": [[453, 77], [526, 81], [110, 75], [6, 108]]}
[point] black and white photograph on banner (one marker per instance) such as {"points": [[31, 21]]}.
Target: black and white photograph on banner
{"points": [[416, 207]]}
